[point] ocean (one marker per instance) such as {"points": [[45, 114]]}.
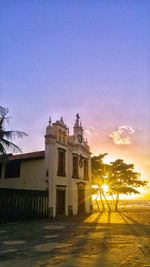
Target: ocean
{"points": [[135, 204], [132, 204]]}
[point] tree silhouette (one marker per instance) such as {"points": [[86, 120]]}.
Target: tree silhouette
{"points": [[119, 176], [123, 180], [99, 172], [6, 137]]}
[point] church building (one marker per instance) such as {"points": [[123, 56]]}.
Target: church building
{"points": [[63, 169]]}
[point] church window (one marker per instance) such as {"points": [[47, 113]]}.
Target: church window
{"points": [[75, 173], [61, 162], [59, 135], [86, 171], [64, 137], [12, 169]]}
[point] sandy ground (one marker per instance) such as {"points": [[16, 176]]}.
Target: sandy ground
{"points": [[120, 239]]}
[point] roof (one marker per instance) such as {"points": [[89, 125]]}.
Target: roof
{"points": [[28, 156]]}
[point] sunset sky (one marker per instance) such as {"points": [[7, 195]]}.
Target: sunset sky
{"points": [[58, 58]]}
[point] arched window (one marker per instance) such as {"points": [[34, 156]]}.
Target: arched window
{"points": [[86, 169], [61, 162], [64, 137]]}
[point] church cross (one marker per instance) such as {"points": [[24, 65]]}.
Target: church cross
{"points": [[78, 116]]}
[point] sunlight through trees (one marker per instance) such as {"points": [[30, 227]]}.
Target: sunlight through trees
{"points": [[112, 180]]}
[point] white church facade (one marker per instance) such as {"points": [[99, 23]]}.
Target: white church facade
{"points": [[63, 169]]}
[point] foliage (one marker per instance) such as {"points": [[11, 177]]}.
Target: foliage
{"points": [[6, 137], [123, 180], [98, 169]]}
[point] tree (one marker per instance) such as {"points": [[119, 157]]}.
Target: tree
{"points": [[99, 172], [123, 180], [119, 176], [6, 137]]}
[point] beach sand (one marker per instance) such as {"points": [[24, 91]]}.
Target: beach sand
{"points": [[108, 239]]}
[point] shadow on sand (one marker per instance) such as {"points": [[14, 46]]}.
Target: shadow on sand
{"points": [[100, 239]]}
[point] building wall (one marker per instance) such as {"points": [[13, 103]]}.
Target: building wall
{"points": [[70, 184], [32, 176], [73, 182], [41, 174]]}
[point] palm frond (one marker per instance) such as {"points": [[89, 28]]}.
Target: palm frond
{"points": [[10, 135], [6, 136], [2, 150], [10, 145], [3, 111], [2, 118]]}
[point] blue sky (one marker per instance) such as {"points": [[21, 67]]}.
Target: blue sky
{"points": [[92, 57]]}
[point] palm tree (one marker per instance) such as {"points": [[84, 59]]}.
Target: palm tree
{"points": [[7, 136]]}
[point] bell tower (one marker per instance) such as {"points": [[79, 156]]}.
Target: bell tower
{"points": [[78, 129]]}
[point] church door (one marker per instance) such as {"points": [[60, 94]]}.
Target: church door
{"points": [[60, 201], [81, 197]]}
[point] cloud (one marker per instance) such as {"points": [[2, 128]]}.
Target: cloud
{"points": [[122, 135]]}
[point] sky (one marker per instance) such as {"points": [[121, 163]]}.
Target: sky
{"points": [[58, 58]]}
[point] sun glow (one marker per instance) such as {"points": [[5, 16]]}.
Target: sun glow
{"points": [[143, 194], [105, 188]]}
